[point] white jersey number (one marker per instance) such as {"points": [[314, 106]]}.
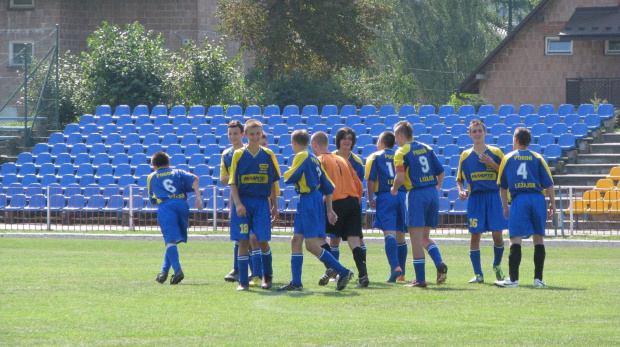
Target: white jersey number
{"points": [[522, 171], [390, 168], [169, 186], [424, 163]]}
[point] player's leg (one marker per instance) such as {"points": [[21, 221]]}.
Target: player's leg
{"points": [[416, 235], [352, 228], [514, 258], [239, 231], [496, 222], [233, 275], [297, 261], [539, 260], [334, 245], [391, 252], [256, 261], [266, 262], [539, 220], [474, 256], [402, 254], [498, 254], [401, 225]]}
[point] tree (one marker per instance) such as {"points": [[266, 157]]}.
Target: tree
{"points": [[316, 36]]}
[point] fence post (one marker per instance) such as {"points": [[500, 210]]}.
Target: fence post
{"points": [[131, 225], [49, 217], [570, 209], [56, 103], [561, 212], [214, 208], [26, 135]]}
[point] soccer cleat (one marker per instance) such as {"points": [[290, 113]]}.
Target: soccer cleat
{"points": [[415, 283], [255, 281], [243, 287], [291, 288], [329, 273], [442, 273], [363, 282], [401, 278], [499, 274], [539, 283], [233, 276], [267, 282], [477, 279], [344, 280], [162, 277], [396, 273], [177, 277], [507, 283]]}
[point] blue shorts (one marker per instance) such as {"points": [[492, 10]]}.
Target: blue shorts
{"points": [[172, 216], [485, 212], [391, 212], [422, 207], [528, 215], [257, 218], [310, 215]]}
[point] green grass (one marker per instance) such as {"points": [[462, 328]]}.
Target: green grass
{"points": [[91, 292]]}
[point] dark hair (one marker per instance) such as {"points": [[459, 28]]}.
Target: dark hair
{"points": [[342, 133], [523, 136], [235, 124], [388, 139], [160, 159], [405, 128], [300, 137], [264, 134], [475, 122]]}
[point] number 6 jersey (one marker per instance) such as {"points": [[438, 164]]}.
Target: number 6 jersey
{"points": [[419, 163], [167, 183]]}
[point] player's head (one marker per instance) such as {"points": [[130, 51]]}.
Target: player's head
{"points": [[477, 130], [299, 140], [235, 132], [386, 140], [345, 139], [403, 131], [253, 131], [522, 137], [319, 142], [263, 140], [160, 159]]}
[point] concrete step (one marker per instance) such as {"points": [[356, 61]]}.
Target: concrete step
{"points": [[611, 137], [593, 169], [577, 179], [612, 147], [599, 158]]}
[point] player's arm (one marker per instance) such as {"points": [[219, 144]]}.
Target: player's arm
{"points": [[196, 188], [275, 214], [224, 177], [398, 181], [234, 189], [440, 180], [370, 186], [332, 217], [551, 194], [462, 192], [503, 194], [294, 173], [460, 178]]}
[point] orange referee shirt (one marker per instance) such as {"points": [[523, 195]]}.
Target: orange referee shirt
{"points": [[343, 175]]}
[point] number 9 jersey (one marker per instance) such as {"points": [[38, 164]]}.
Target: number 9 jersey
{"points": [[419, 163], [167, 183]]}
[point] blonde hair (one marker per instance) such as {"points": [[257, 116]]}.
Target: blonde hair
{"points": [[320, 138], [252, 123]]}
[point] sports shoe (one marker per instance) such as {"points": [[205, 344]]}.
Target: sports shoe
{"points": [[233, 276], [329, 273], [442, 273], [267, 282], [477, 279], [499, 274], [243, 287], [344, 280], [177, 277], [415, 283], [363, 282], [401, 278], [291, 288], [161, 277], [255, 281], [539, 283], [394, 275], [507, 283]]}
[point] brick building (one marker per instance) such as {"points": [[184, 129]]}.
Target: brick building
{"points": [[564, 51]]}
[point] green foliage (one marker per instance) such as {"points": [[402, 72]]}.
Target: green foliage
{"points": [[467, 99]]}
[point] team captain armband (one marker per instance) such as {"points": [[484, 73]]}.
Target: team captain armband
{"points": [[400, 169]]}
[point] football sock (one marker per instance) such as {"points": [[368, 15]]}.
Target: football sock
{"points": [[539, 261], [360, 261], [267, 261], [297, 261], [499, 254], [363, 248], [331, 262], [514, 260], [172, 253], [402, 255], [235, 253], [243, 261], [418, 266], [257, 263], [433, 252], [391, 251], [328, 249], [474, 255], [335, 250], [165, 267]]}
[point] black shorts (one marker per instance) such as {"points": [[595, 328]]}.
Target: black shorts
{"points": [[349, 218]]}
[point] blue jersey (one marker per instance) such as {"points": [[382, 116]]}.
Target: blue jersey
{"points": [[308, 174], [254, 174], [419, 163], [478, 175], [524, 172], [226, 162], [356, 162], [380, 169], [167, 183]]}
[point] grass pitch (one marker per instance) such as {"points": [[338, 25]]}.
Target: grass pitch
{"points": [[92, 292]]}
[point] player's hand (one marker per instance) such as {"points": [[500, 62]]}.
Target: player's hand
{"points": [[372, 203], [485, 159], [463, 194], [198, 204], [332, 217], [551, 210], [506, 212], [393, 191], [240, 210], [275, 215]]}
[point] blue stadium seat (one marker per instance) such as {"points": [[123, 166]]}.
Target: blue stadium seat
{"points": [[104, 169], [134, 149], [606, 111], [359, 129], [418, 129], [412, 118], [103, 110], [545, 139], [566, 109], [57, 149], [571, 119], [486, 110], [126, 180], [580, 130], [524, 110], [387, 110], [86, 119], [196, 110], [234, 110], [169, 139], [334, 129], [93, 139], [211, 149], [425, 138], [215, 110], [142, 169], [120, 159], [198, 121], [367, 110], [333, 120], [95, 203], [140, 110], [189, 139], [142, 121], [105, 180], [201, 170], [453, 161], [294, 109], [491, 120], [89, 129], [78, 150], [271, 110], [531, 119], [459, 207], [389, 120], [504, 139], [275, 120], [469, 118], [593, 121], [9, 179], [294, 120], [8, 169], [96, 149], [451, 120], [567, 141], [128, 129], [114, 203], [122, 110], [350, 120], [124, 120], [553, 152], [84, 169], [539, 129], [438, 129], [431, 120], [199, 159], [406, 110], [29, 179], [112, 139], [161, 120], [42, 158], [49, 179], [100, 159], [511, 120], [552, 119], [253, 110], [505, 110], [313, 120], [17, 203], [284, 140], [329, 110], [191, 150], [545, 109], [181, 121], [214, 160], [585, 109], [363, 140], [464, 141], [279, 130], [450, 150], [444, 140], [66, 169], [137, 160], [444, 205], [348, 110], [559, 129], [65, 180], [178, 159], [445, 110], [146, 129], [26, 169], [377, 129], [319, 127], [159, 110], [203, 129], [425, 110], [449, 182], [466, 110], [55, 138], [74, 139], [109, 129], [535, 147], [72, 129], [178, 110]]}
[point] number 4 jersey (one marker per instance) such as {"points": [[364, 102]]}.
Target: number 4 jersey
{"points": [[419, 163], [524, 172], [167, 183]]}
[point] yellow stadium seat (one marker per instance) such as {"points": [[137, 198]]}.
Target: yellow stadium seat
{"points": [[579, 206], [604, 184], [615, 207], [591, 195], [597, 207], [611, 196], [614, 174]]}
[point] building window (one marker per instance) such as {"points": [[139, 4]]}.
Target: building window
{"points": [[612, 47], [553, 46], [21, 4], [18, 51]]}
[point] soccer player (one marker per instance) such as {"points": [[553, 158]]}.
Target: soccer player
{"points": [[311, 182], [254, 174], [390, 210], [418, 168], [525, 175], [346, 203], [478, 166], [235, 136], [264, 142], [168, 189]]}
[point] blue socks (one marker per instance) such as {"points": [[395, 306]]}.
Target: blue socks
{"points": [[172, 256], [391, 251], [331, 262], [402, 255], [474, 255], [335, 250], [433, 252], [257, 263], [297, 261], [418, 266], [165, 267], [243, 261], [499, 253], [267, 261], [235, 254]]}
